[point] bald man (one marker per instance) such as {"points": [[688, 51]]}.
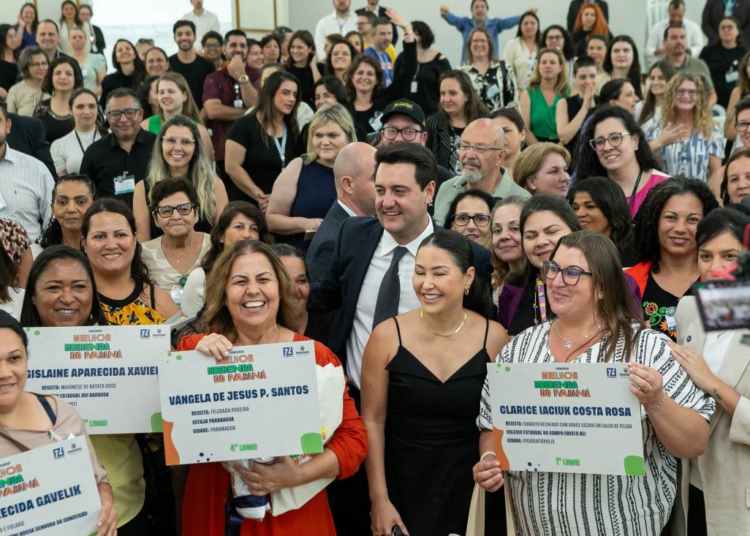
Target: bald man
{"points": [[354, 172], [481, 158]]}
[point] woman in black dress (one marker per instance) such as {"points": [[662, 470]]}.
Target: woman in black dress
{"points": [[422, 373], [63, 76], [303, 64], [9, 43]]}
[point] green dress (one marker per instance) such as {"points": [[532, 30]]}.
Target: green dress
{"points": [[542, 115]]}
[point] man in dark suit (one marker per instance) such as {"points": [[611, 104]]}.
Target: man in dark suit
{"points": [[575, 7], [354, 172], [379, 11], [27, 136], [369, 254]]}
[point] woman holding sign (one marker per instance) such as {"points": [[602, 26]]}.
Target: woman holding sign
{"points": [[61, 291], [248, 302], [422, 373], [717, 363], [28, 420], [595, 324]]}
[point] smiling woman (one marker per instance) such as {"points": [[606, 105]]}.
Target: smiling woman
{"points": [[305, 190]]}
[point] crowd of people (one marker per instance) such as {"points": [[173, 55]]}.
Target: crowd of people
{"points": [[549, 201]]}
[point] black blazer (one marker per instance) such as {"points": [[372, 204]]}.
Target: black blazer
{"points": [[321, 248], [340, 287], [27, 135], [575, 7]]}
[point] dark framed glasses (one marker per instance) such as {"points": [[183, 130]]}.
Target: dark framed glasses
{"points": [[480, 220], [408, 133], [130, 113], [166, 211], [614, 139], [570, 274]]}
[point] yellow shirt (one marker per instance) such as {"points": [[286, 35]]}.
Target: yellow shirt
{"points": [[391, 51], [121, 458]]}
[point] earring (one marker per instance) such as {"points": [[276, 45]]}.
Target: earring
{"points": [[466, 291]]}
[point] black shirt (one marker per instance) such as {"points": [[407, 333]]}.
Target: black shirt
{"points": [[8, 74], [114, 81], [427, 78], [195, 73], [55, 126], [262, 162], [722, 62], [660, 308], [306, 82], [105, 159]]}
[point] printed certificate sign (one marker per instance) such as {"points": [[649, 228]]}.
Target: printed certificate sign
{"points": [[566, 417], [260, 401], [49, 490], [108, 373]]}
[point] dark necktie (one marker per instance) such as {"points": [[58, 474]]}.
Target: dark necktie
{"points": [[390, 288]]}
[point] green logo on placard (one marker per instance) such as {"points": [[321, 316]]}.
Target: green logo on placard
{"points": [[634, 466]]}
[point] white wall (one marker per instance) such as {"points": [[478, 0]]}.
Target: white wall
{"points": [[626, 16]]}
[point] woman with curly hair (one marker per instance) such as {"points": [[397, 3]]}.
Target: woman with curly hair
{"points": [[686, 140], [590, 21], [616, 148], [666, 247]]}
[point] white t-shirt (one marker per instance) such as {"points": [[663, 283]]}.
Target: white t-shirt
{"points": [[67, 152]]}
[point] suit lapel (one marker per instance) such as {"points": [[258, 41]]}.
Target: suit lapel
{"points": [[732, 369], [362, 253]]}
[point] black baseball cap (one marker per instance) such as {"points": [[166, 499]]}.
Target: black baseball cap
{"points": [[403, 107]]}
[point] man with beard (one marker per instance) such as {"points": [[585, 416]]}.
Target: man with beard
{"points": [[186, 62], [675, 48], [479, 9], [481, 157], [227, 94]]}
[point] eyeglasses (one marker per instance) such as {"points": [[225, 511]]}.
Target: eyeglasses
{"points": [[685, 91], [742, 125], [479, 149], [408, 133], [130, 113], [570, 275], [480, 220], [171, 140], [39, 64], [614, 139], [727, 27], [166, 211]]}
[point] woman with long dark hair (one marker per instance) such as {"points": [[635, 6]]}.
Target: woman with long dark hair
{"points": [[9, 44], [741, 90], [304, 64], [648, 110], [62, 78], [622, 61], [459, 106], [339, 59], [129, 69], [261, 143], [69, 19], [28, 21], [520, 53], [435, 356], [557, 37], [71, 198], [666, 247], [616, 147]]}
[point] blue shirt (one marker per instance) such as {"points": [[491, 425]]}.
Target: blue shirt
{"points": [[385, 64], [466, 24]]}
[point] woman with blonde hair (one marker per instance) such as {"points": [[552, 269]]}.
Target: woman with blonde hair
{"points": [[538, 104], [175, 98], [305, 190], [686, 140], [179, 153], [543, 169]]}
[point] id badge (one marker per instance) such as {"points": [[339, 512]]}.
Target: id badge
{"points": [[376, 124], [671, 318], [492, 91], [239, 103], [731, 77], [414, 86], [124, 184]]}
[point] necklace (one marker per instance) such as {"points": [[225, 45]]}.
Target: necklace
{"points": [[421, 315], [569, 343]]}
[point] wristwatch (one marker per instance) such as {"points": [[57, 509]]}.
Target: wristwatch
{"points": [[243, 79]]}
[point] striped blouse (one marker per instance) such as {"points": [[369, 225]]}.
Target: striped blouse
{"points": [[690, 157], [572, 504]]}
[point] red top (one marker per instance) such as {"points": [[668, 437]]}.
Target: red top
{"points": [[220, 85], [208, 484]]}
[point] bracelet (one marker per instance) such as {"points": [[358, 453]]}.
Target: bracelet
{"points": [[658, 406], [488, 453]]}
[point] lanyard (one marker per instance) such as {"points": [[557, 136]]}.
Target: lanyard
{"points": [[281, 147], [542, 300], [635, 189], [237, 94], [79, 139]]}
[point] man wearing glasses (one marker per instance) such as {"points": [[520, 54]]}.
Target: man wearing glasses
{"points": [[481, 156], [120, 159]]}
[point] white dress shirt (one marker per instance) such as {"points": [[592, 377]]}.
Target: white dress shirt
{"points": [[203, 24], [25, 191], [347, 209], [368, 295], [693, 33], [332, 24]]}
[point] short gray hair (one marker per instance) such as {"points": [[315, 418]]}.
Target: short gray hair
{"points": [[24, 61]]}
